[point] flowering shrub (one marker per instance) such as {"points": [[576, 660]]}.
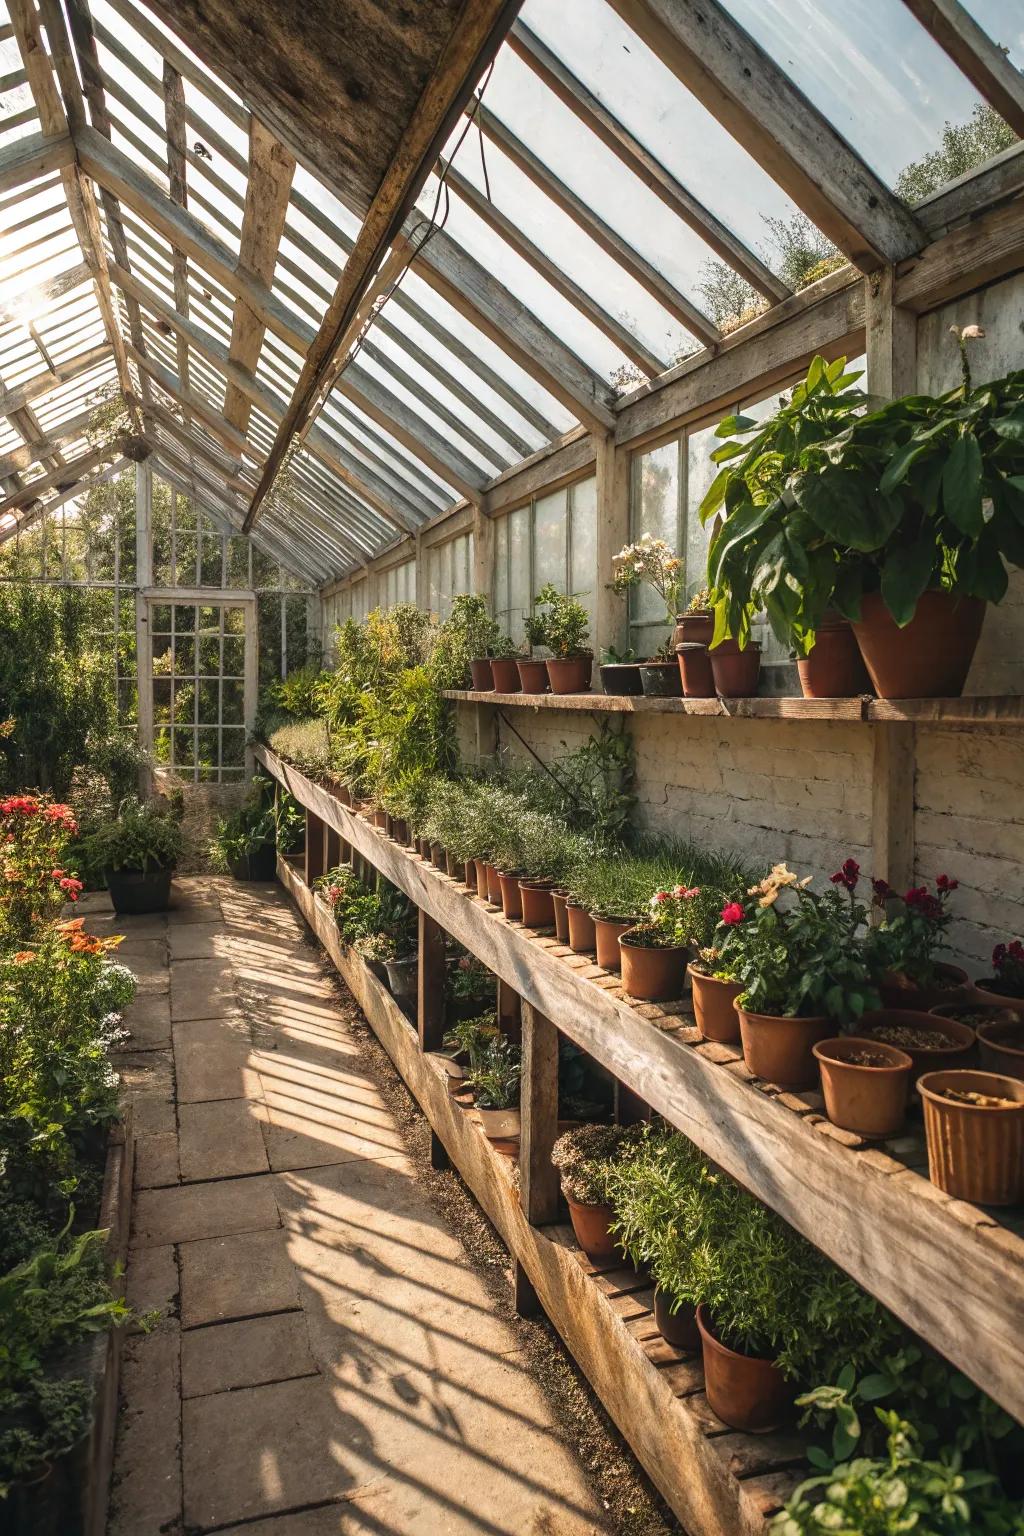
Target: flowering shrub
{"points": [[904, 943], [685, 915], [1008, 968], [650, 562], [34, 833]]}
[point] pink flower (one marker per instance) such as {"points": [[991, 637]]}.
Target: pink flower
{"points": [[661, 896], [732, 912]]}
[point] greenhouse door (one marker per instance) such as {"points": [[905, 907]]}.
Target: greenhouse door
{"points": [[197, 713]]}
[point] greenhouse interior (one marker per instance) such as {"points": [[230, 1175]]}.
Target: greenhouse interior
{"points": [[511, 692]]}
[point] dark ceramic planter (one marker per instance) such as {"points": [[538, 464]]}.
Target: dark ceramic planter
{"points": [[261, 864], [621, 679], [661, 679], [135, 892]]}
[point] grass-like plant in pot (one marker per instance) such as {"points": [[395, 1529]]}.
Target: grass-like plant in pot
{"points": [[138, 851], [494, 1080], [584, 1157], [566, 632]]}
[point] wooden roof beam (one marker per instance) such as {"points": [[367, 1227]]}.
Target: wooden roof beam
{"points": [[80, 488], [989, 69], [42, 383], [36, 155], [177, 178], [64, 478], [753, 98], [44, 447], [29, 304]]}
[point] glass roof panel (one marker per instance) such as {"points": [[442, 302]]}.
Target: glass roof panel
{"points": [[1003, 20]]}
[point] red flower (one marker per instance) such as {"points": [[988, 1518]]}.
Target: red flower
{"points": [[732, 912], [945, 884], [661, 895]]}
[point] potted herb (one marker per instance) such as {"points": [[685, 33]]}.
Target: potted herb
{"points": [[1006, 984], [245, 843], [504, 664], [620, 673], [533, 670], [463, 645], [470, 989], [653, 952], [902, 947], [566, 628], [584, 1157], [974, 1127], [800, 959], [495, 1082], [138, 852], [651, 563]]}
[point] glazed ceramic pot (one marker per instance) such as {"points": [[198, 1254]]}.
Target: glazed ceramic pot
{"points": [[661, 679], [621, 678]]}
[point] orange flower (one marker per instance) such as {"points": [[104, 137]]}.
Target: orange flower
{"points": [[24, 956]]}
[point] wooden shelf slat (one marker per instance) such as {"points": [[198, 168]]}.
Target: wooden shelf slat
{"points": [[996, 709]]}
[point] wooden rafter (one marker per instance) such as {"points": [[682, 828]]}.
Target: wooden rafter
{"points": [[177, 177], [80, 488], [744, 88], [39, 295], [42, 383], [42, 447], [32, 157], [64, 478], [987, 66]]}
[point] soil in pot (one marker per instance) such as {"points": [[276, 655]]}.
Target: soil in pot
{"points": [[571, 674], [134, 892], [606, 940], [736, 672], [661, 679], [695, 671], [590, 1224], [994, 994], [950, 985], [538, 909], [621, 679], [261, 864], [651, 974], [747, 1392], [928, 658], [835, 668], [865, 1084], [505, 671], [533, 675], [511, 901], [558, 901], [582, 936], [482, 675], [931, 1042], [1001, 1043], [974, 1127], [717, 1018], [781, 1050], [677, 1328]]}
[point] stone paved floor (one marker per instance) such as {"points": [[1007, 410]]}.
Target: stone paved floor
{"points": [[327, 1360]]}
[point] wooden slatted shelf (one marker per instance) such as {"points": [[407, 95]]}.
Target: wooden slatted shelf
{"points": [[870, 1208], [997, 709], [714, 1478]]}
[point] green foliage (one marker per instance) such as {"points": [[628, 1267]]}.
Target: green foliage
{"points": [[622, 883], [304, 743], [143, 835], [362, 911], [473, 1038], [964, 145], [566, 626], [596, 784], [467, 634], [495, 1076], [297, 695], [588, 1155], [255, 825]]}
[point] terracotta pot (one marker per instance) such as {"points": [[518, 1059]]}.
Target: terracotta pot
{"points": [[423, 848], [928, 658], [535, 901], [590, 1224], [400, 830], [558, 901], [951, 986], [986, 990], [661, 679], [698, 628], [606, 940], [380, 819], [781, 1050], [505, 671], [652, 975], [695, 671], [469, 874], [343, 793], [438, 857], [493, 886], [500, 1124], [582, 937], [454, 868], [975, 1153], [621, 679], [958, 1053], [736, 672], [533, 675], [835, 668], [677, 1328], [481, 877], [571, 674], [713, 1009], [453, 1070], [483, 677], [511, 901], [1001, 1044], [746, 1392], [870, 1100]]}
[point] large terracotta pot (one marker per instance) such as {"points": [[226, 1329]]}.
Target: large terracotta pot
{"points": [[481, 877], [505, 672], [986, 990], [928, 658], [695, 672], [1001, 1044], [835, 668], [661, 679], [677, 1328], [483, 677], [746, 1392], [652, 975], [590, 1224], [621, 678], [975, 1152], [952, 985], [582, 937], [781, 1050], [713, 1008], [538, 909], [958, 1052], [533, 675], [571, 674], [493, 886], [558, 902], [865, 1084], [511, 901], [606, 940], [736, 672]]}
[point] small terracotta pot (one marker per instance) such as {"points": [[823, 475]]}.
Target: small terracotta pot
{"points": [[582, 937], [694, 627], [481, 877], [652, 975], [661, 679], [454, 868], [621, 679], [380, 819], [505, 672], [423, 848], [400, 830], [746, 1392], [558, 901], [736, 672], [571, 674], [928, 658], [533, 675], [438, 857], [469, 875], [343, 792], [500, 1124], [975, 1153], [835, 668], [781, 1050], [677, 1328], [493, 886], [1001, 1044], [713, 1009], [957, 989], [483, 677], [590, 1224], [606, 940], [535, 902], [695, 671], [958, 1053], [869, 1100], [511, 901]]}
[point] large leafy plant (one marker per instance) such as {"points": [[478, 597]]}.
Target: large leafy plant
{"points": [[144, 835]]}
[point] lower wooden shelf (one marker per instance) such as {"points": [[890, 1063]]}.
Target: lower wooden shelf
{"points": [[715, 1479]]}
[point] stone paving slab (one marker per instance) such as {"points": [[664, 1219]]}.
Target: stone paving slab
{"points": [[152, 1279], [148, 1019], [146, 1492], [156, 1160], [203, 1210], [241, 1275], [199, 941], [147, 1078], [250, 1353], [212, 1059], [220, 1140], [202, 989]]}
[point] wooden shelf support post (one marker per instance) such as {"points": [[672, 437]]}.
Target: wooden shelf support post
{"points": [[430, 983], [316, 838], [892, 803], [539, 1105]]}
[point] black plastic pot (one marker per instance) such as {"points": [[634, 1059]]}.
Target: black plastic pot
{"points": [[261, 864], [661, 679], [137, 891], [622, 678]]}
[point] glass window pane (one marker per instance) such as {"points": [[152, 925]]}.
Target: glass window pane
{"points": [[519, 562], [549, 540]]}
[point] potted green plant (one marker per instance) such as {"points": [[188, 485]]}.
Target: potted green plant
{"points": [[245, 843], [698, 917], [1006, 984], [504, 664], [533, 670], [653, 952], [566, 628], [495, 1083], [138, 852], [654, 1186], [651, 562], [620, 673], [584, 1157], [974, 1127]]}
